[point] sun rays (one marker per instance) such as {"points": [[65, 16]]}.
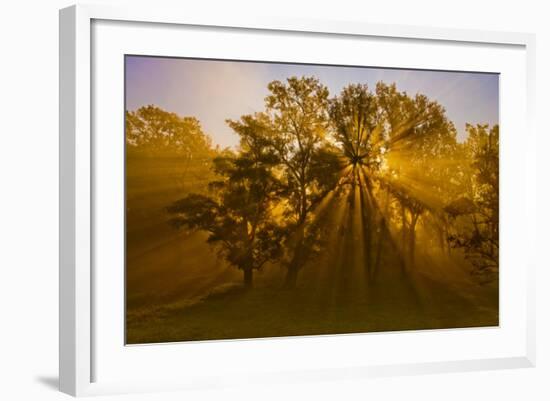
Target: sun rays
{"points": [[343, 212]]}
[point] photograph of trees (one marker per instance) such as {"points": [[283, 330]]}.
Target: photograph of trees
{"points": [[267, 199]]}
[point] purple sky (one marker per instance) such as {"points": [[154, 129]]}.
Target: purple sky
{"points": [[213, 91]]}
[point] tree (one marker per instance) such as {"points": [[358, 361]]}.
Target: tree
{"points": [[298, 112], [158, 139], [356, 127], [237, 215], [420, 157], [475, 213], [396, 141], [355, 118], [152, 131], [411, 210]]}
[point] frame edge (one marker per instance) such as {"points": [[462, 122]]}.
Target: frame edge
{"points": [[531, 184], [67, 113], [74, 201]]}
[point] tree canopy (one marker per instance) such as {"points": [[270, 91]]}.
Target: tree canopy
{"points": [[396, 157], [237, 212], [152, 131]]}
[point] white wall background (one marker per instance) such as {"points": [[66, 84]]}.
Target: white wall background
{"points": [[29, 199]]}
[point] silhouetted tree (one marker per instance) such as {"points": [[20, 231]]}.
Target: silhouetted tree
{"points": [[419, 152], [298, 111], [396, 140], [474, 215], [356, 120], [237, 215]]}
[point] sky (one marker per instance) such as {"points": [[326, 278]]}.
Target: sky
{"points": [[213, 91]]}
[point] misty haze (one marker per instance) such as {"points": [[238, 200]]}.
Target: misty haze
{"points": [[267, 199]]}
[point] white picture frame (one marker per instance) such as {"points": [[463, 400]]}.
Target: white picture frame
{"points": [[78, 319]]}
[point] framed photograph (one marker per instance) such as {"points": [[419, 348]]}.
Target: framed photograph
{"points": [[277, 200]]}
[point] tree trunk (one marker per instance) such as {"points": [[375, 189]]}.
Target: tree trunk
{"points": [[404, 230], [297, 259], [366, 213], [291, 276], [382, 234], [380, 238], [447, 243], [412, 245], [247, 277], [412, 239]]}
